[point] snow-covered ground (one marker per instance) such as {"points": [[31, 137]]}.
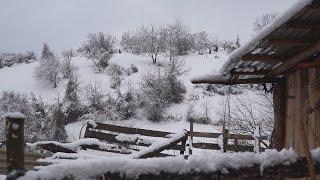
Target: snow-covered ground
{"points": [[20, 78]]}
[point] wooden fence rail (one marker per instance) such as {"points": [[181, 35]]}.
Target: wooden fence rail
{"points": [[107, 132], [29, 163]]}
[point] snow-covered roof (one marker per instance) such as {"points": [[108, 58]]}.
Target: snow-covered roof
{"points": [[292, 33]]}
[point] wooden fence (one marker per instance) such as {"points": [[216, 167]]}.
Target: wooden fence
{"points": [[29, 163], [108, 132]]}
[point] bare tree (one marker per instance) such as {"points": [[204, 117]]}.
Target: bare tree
{"points": [[263, 21], [202, 41], [99, 48], [46, 53], [68, 69]]}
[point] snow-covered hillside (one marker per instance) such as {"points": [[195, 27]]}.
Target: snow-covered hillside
{"points": [[20, 78]]}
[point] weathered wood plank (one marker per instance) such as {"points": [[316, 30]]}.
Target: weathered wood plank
{"points": [[297, 110], [290, 111], [131, 130], [311, 116]]}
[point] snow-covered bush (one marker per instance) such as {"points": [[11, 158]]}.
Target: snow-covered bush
{"points": [[71, 105], [161, 87], [194, 117], [49, 67], [115, 71], [8, 59], [39, 124], [68, 69], [132, 69], [99, 48], [223, 90], [95, 97]]}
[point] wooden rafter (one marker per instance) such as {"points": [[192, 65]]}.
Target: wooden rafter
{"points": [[255, 72], [287, 42], [314, 64], [291, 62], [303, 26], [236, 81], [264, 58]]}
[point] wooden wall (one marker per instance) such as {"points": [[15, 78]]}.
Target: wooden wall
{"points": [[297, 92]]}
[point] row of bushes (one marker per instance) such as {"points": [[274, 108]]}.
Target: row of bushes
{"points": [[9, 59]]}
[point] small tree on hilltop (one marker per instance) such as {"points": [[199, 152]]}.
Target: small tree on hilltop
{"points": [[99, 48], [48, 69], [67, 68], [71, 105], [46, 53]]}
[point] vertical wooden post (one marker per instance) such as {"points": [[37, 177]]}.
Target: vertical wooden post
{"points": [[225, 139], [15, 143], [183, 146], [191, 138], [236, 145], [279, 99], [260, 138]]}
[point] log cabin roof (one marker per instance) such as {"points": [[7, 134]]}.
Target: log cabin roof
{"points": [[288, 43]]}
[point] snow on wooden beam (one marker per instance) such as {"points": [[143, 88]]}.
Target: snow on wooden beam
{"points": [[235, 81], [291, 62], [287, 42], [265, 58]]}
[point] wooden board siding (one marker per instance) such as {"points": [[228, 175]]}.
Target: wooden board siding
{"points": [[290, 111], [311, 117], [298, 89]]}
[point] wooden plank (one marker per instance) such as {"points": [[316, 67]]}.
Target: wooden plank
{"points": [[256, 72], [110, 138], [297, 110], [279, 115], [131, 130], [263, 58], [156, 150], [290, 111], [289, 42], [304, 79], [312, 116], [317, 114], [235, 81]]}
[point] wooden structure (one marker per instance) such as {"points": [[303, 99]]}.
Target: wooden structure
{"points": [[286, 54], [30, 160]]}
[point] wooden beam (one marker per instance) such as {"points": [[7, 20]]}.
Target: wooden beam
{"points": [[303, 26], [287, 42], [295, 60], [264, 58], [236, 81], [314, 64], [256, 72]]}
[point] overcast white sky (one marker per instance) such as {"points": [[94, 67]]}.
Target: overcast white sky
{"points": [[25, 24]]}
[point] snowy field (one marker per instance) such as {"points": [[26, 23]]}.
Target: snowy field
{"points": [[196, 65]]}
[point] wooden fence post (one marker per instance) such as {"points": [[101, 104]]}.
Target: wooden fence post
{"points": [[191, 138], [236, 145], [225, 139], [15, 144]]}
